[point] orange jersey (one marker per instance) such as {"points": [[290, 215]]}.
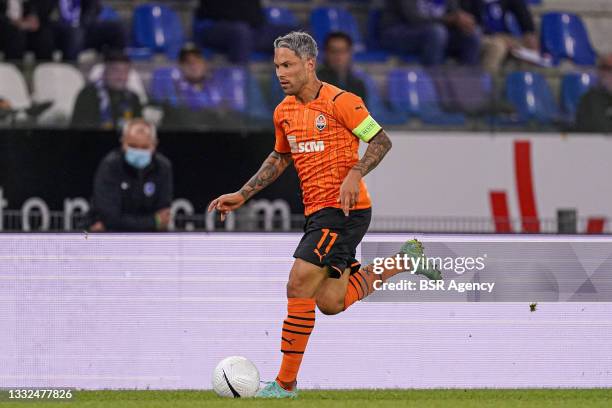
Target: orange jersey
{"points": [[323, 139]]}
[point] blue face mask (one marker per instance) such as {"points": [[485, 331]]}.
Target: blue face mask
{"points": [[139, 158]]}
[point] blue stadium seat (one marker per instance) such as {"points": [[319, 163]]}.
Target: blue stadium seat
{"points": [[280, 16], [276, 92], [242, 92], [275, 16], [158, 29], [412, 92], [573, 86], [373, 37], [374, 101], [198, 27], [563, 35], [162, 86], [376, 104], [532, 97], [324, 20], [108, 13]]}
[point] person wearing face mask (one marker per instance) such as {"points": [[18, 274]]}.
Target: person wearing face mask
{"points": [[133, 185], [594, 112], [108, 103]]}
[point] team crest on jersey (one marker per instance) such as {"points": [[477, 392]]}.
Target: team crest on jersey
{"points": [[320, 122]]}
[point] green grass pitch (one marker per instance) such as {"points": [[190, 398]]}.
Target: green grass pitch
{"points": [[537, 398]]}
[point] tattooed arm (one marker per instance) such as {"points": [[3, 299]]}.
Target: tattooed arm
{"points": [[349, 191], [274, 165], [377, 149]]}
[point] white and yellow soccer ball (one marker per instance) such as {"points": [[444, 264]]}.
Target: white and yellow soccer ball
{"points": [[235, 377]]}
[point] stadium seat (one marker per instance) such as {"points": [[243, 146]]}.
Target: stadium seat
{"points": [[376, 104], [280, 16], [13, 87], [573, 86], [156, 28], [242, 92], [276, 92], [412, 92], [108, 13], [532, 97], [374, 101], [324, 20], [58, 83], [275, 16], [373, 40], [162, 87], [564, 36], [134, 83]]}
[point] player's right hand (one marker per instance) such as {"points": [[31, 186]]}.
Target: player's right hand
{"points": [[226, 203]]}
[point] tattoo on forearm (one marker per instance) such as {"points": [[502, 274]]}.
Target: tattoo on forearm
{"points": [[271, 168], [377, 149]]}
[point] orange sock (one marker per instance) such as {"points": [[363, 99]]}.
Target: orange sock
{"points": [[361, 283], [296, 330]]}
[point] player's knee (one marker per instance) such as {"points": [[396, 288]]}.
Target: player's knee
{"points": [[295, 288], [330, 308]]}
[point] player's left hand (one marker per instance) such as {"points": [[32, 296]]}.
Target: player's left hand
{"points": [[349, 191]]}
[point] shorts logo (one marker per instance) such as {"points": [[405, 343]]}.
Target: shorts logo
{"points": [[320, 122]]}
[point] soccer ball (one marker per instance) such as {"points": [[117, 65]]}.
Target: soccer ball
{"points": [[235, 377]]}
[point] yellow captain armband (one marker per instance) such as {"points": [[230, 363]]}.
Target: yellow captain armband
{"points": [[367, 129]]}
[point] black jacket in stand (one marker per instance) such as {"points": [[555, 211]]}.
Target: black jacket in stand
{"points": [[125, 198], [594, 112], [124, 105], [351, 83]]}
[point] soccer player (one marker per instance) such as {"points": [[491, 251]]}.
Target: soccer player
{"points": [[319, 127]]}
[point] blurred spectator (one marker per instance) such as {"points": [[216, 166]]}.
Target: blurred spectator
{"points": [[595, 108], [5, 109], [337, 64], [107, 103], [432, 29], [4, 104], [79, 28], [239, 29], [189, 94], [25, 26], [498, 41], [134, 82], [133, 185]]}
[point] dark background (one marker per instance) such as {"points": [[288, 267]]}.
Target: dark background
{"points": [[59, 164]]}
